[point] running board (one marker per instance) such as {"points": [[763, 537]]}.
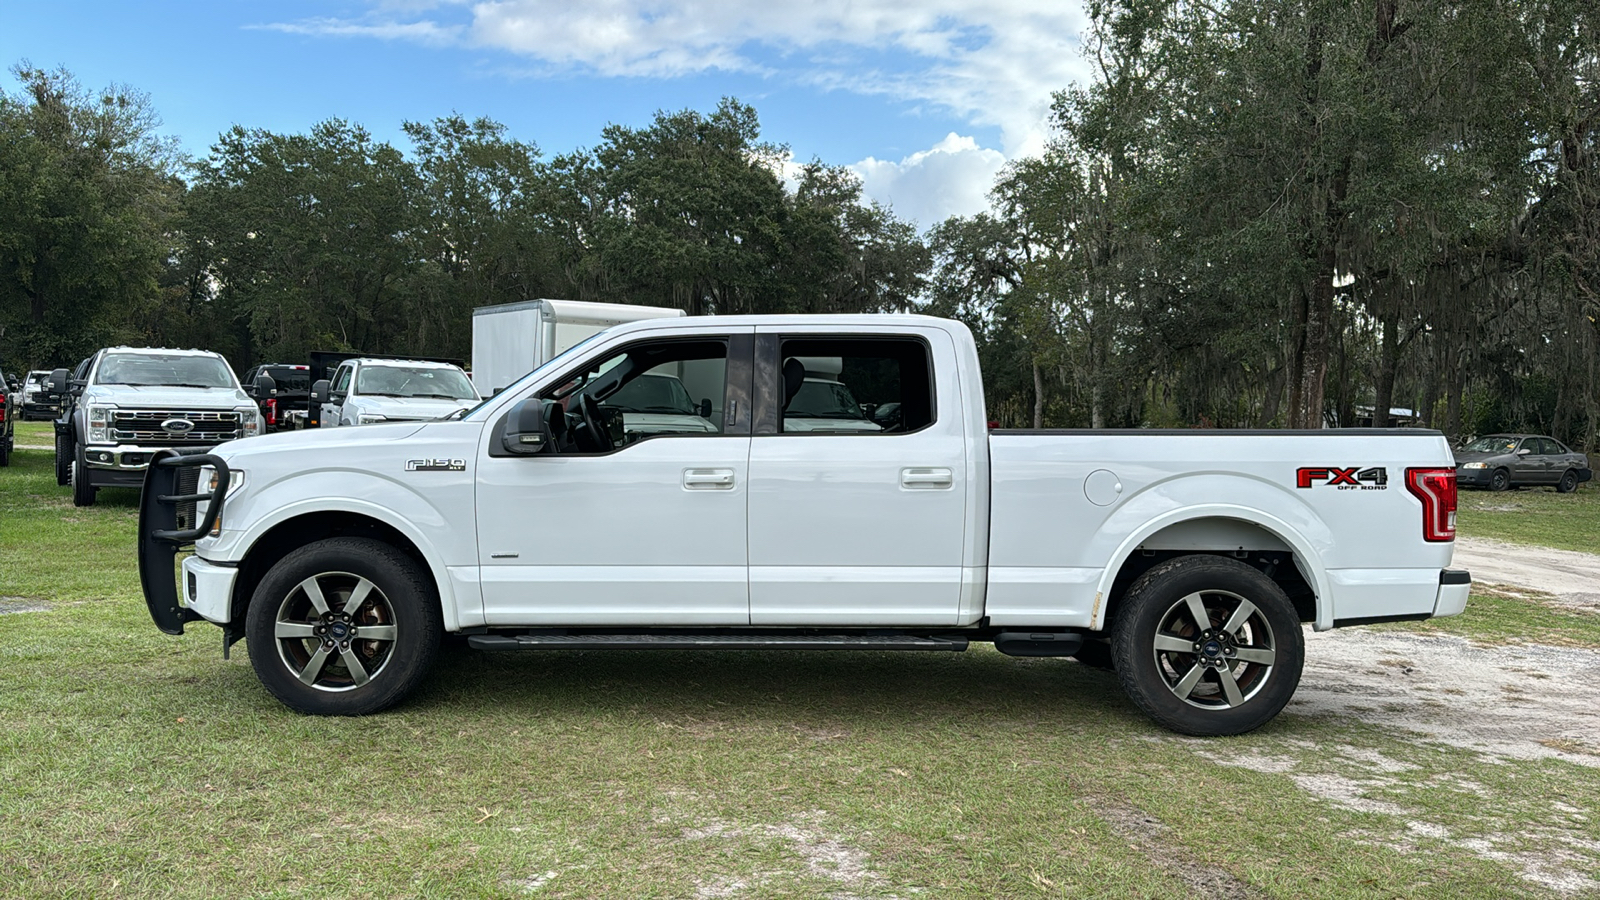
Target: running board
{"points": [[713, 642]]}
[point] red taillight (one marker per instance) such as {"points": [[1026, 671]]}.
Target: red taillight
{"points": [[272, 410], [1436, 488]]}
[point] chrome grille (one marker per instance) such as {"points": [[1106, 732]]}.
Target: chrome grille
{"points": [[143, 426]]}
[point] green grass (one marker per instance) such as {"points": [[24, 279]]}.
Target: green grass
{"points": [[1496, 617], [1535, 516], [134, 764]]}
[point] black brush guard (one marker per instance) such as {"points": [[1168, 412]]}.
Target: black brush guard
{"points": [[171, 494]]}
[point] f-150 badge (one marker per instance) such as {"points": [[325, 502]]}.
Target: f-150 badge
{"points": [[1353, 478], [436, 465]]}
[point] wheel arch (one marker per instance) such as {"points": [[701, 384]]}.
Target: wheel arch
{"points": [[306, 527], [1221, 530]]}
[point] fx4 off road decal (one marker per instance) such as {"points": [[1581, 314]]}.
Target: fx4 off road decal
{"points": [[436, 465], [1353, 478]]}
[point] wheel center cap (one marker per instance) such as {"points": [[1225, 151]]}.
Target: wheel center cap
{"points": [[1212, 648], [339, 631]]}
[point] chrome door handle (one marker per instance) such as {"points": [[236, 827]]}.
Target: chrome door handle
{"points": [[708, 479], [927, 478]]}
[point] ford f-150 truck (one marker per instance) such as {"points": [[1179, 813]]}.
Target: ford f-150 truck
{"points": [[1185, 560], [132, 402]]}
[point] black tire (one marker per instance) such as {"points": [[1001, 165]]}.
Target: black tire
{"points": [[1179, 671], [399, 603], [1568, 482], [63, 460], [1500, 480], [82, 491], [1095, 654], [5, 451]]}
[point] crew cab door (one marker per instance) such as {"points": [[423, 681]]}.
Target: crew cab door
{"points": [[858, 479], [651, 532]]}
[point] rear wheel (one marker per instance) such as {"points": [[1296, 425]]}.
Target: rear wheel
{"points": [[1568, 482], [343, 627], [82, 491], [1208, 646], [1500, 480]]}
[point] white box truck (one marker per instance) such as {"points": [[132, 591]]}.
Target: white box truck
{"points": [[512, 339]]}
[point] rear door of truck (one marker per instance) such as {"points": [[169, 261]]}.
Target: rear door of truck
{"points": [[858, 478]]}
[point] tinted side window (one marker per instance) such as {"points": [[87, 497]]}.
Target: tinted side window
{"points": [[1553, 447], [341, 378], [650, 390], [854, 386]]}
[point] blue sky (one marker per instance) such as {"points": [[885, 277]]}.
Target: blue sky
{"points": [[925, 99]]}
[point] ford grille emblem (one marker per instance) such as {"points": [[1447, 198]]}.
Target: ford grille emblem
{"points": [[177, 426]]}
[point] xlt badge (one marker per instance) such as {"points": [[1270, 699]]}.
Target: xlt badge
{"points": [[436, 465]]}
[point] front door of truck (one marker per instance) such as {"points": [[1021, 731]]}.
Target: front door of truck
{"points": [[858, 480], [338, 390], [648, 531]]}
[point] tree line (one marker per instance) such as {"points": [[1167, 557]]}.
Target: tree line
{"points": [[1276, 213]]}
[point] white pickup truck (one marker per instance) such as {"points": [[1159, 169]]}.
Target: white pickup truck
{"points": [[1186, 560]]}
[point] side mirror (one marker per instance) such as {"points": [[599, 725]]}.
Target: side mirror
{"points": [[531, 427], [265, 386], [1524, 451], [58, 382], [319, 391], [705, 408]]}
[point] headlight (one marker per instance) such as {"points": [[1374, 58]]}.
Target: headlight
{"points": [[235, 480], [249, 421], [208, 476], [100, 424], [370, 418], [1475, 465]]}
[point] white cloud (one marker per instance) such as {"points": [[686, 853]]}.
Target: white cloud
{"points": [[422, 32], [993, 64], [950, 179]]}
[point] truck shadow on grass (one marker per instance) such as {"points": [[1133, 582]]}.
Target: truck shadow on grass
{"points": [[776, 687]]}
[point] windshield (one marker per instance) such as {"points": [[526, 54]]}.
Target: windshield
{"points": [[653, 393], [823, 400], [38, 377], [560, 360], [161, 369], [1492, 444], [414, 381]]}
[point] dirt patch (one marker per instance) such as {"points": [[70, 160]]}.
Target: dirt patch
{"points": [[823, 855], [1518, 702], [1549, 854], [1152, 837], [22, 605], [1572, 578]]}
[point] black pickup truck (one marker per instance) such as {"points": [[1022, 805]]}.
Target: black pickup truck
{"points": [[286, 407]]}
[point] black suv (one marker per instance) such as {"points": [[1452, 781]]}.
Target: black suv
{"points": [[286, 407]]}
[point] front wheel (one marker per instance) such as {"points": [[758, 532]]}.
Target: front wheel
{"points": [[82, 491], [1207, 645], [1568, 483], [343, 627], [1500, 480]]}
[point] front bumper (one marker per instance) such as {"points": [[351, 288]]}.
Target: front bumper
{"points": [[1473, 477], [208, 589], [130, 457]]}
